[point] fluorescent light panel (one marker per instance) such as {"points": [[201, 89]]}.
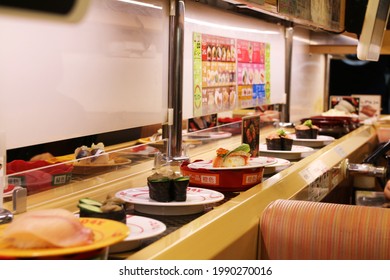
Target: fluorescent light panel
{"points": [[228, 27], [141, 4]]}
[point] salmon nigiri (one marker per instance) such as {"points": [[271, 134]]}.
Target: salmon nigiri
{"points": [[49, 228]]}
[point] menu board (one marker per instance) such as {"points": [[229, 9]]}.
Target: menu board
{"points": [[323, 13], [297, 8], [252, 73], [229, 73], [346, 104], [369, 105]]}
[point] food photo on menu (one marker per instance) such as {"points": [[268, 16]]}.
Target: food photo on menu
{"points": [[346, 104], [370, 106]]}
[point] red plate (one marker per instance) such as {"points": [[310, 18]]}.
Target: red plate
{"points": [[224, 180]]}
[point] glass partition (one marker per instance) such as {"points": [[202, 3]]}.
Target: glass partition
{"points": [[103, 73], [96, 167], [48, 178]]}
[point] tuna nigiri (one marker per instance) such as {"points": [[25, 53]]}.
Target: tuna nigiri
{"points": [[49, 228]]}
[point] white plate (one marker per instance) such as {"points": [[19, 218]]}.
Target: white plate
{"points": [[278, 166], [297, 152], [208, 135], [141, 228], [197, 198], [253, 163], [322, 140]]}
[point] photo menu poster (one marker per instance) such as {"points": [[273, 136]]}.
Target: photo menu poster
{"points": [[347, 104], [369, 105], [214, 74], [229, 73], [252, 73], [197, 70]]}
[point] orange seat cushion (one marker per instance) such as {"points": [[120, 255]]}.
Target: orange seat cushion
{"points": [[300, 230]]}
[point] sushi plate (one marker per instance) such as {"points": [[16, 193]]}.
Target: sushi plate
{"points": [[197, 198], [279, 165], [253, 163], [297, 152], [141, 228], [321, 141], [106, 233]]}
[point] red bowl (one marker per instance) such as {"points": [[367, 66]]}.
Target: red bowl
{"points": [[353, 122], [336, 126], [227, 180]]}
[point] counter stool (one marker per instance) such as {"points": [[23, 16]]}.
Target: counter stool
{"points": [[304, 230]]}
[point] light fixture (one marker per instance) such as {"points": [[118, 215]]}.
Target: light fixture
{"points": [[229, 27], [373, 30], [141, 4]]}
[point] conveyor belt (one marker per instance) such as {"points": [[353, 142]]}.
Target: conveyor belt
{"points": [[172, 223]]}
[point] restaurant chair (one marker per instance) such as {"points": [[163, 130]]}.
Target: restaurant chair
{"points": [[305, 230]]}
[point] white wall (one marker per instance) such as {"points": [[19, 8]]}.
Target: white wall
{"points": [[109, 71], [60, 80], [307, 78]]}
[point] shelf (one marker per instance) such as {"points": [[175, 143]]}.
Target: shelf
{"points": [[314, 16]]}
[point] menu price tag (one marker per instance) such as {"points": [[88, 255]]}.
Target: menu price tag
{"points": [[313, 171], [370, 106], [340, 152]]}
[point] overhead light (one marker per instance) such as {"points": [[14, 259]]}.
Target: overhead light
{"points": [[229, 27], [141, 4]]}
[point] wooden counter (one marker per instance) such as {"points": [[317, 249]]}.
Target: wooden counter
{"points": [[230, 230]]}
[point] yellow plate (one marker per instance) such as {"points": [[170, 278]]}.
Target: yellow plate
{"points": [[106, 232], [122, 161]]}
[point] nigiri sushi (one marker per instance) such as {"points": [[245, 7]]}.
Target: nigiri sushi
{"points": [[93, 155], [237, 157], [48, 228]]}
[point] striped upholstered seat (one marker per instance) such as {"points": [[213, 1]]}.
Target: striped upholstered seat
{"points": [[313, 230]]}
